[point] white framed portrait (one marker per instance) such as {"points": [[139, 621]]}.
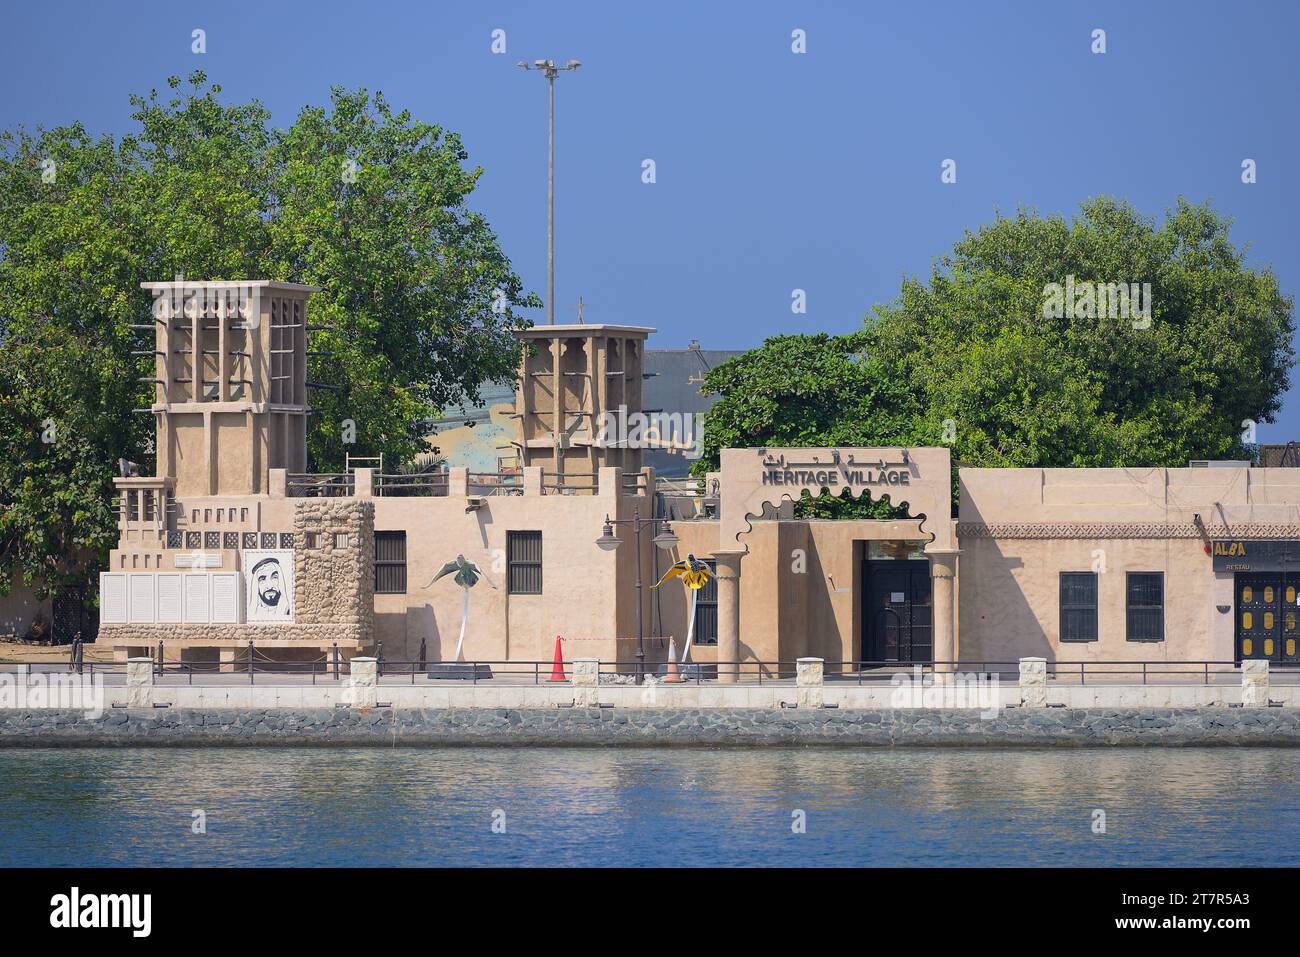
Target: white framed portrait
{"points": [[268, 585]]}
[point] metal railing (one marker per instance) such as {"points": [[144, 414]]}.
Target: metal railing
{"points": [[414, 483], [571, 483], [252, 664], [495, 483], [320, 484]]}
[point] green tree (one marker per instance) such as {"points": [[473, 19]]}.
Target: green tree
{"points": [[809, 390], [1023, 389], [367, 203]]}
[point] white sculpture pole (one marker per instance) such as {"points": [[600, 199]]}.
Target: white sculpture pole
{"points": [[690, 625], [464, 619]]}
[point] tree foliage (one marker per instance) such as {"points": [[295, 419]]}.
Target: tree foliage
{"points": [[365, 202], [969, 359]]}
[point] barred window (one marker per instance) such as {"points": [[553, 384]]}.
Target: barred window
{"points": [[524, 563], [229, 539], [1078, 606], [390, 563], [286, 539], [1145, 605], [174, 539], [193, 540], [268, 539], [706, 609], [211, 539], [250, 539]]}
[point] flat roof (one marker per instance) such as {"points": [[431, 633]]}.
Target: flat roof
{"points": [[229, 284], [590, 329]]}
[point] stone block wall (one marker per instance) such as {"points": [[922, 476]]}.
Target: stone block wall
{"points": [[334, 582]]}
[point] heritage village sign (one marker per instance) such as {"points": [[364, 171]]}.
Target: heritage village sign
{"points": [[846, 471]]}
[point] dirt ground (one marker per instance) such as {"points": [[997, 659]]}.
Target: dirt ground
{"points": [[48, 654]]}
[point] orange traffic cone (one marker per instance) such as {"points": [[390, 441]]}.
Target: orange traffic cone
{"points": [[557, 671], [672, 673]]}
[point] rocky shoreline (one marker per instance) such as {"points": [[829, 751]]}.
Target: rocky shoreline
{"points": [[648, 727]]}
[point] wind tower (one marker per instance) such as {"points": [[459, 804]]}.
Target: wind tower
{"points": [[572, 380]]}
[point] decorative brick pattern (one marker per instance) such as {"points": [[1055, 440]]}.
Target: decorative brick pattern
{"points": [[1097, 530]]}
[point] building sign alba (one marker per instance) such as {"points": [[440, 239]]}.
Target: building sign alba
{"points": [[1266, 555]]}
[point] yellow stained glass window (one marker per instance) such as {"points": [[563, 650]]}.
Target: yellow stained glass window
{"points": [[1247, 620], [1290, 621], [1247, 594], [1290, 647], [1268, 619], [1247, 646], [1268, 646], [1290, 594], [1268, 592]]}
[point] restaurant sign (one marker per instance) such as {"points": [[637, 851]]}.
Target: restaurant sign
{"points": [[1265, 555]]}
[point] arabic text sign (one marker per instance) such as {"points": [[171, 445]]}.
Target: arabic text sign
{"points": [[777, 471]]}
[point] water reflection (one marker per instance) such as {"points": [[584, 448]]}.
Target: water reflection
{"points": [[650, 806]]}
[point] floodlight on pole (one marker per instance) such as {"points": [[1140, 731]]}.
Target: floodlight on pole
{"points": [[549, 70]]}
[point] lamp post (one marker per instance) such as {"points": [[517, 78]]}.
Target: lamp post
{"points": [[666, 540], [549, 70]]}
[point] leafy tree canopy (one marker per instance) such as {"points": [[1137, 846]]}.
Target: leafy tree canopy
{"points": [[365, 202], [970, 359]]}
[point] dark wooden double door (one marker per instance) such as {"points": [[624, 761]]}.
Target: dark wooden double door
{"points": [[897, 625], [1268, 617]]}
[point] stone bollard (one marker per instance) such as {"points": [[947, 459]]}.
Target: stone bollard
{"points": [[809, 682], [1254, 683], [139, 682], [1033, 682], [586, 682], [363, 683]]}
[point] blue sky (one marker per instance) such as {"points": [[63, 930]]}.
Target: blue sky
{"points": [[775, 171]]}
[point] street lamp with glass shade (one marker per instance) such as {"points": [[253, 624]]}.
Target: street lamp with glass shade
{"points": [[609, 541]]}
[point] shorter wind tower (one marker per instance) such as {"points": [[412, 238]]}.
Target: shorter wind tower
{"points": [[574, 379]]}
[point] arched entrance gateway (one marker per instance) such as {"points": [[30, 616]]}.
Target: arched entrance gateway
{"points": [[921, 478]]}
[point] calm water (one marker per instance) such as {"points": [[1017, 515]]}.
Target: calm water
{"points": [[649, 807]]}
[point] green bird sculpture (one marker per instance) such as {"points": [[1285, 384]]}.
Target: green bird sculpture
{"points": [[467, 576]]}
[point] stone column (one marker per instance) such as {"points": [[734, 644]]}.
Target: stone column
{"points": [[363, 684], [1033, 682], [365, 483], [139, 682], [728, 567], [809, 682], [586, 682], [943, 571], [1254, 682]]}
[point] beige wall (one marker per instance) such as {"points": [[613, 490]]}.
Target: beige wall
{"points": [[1020, 528]]}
